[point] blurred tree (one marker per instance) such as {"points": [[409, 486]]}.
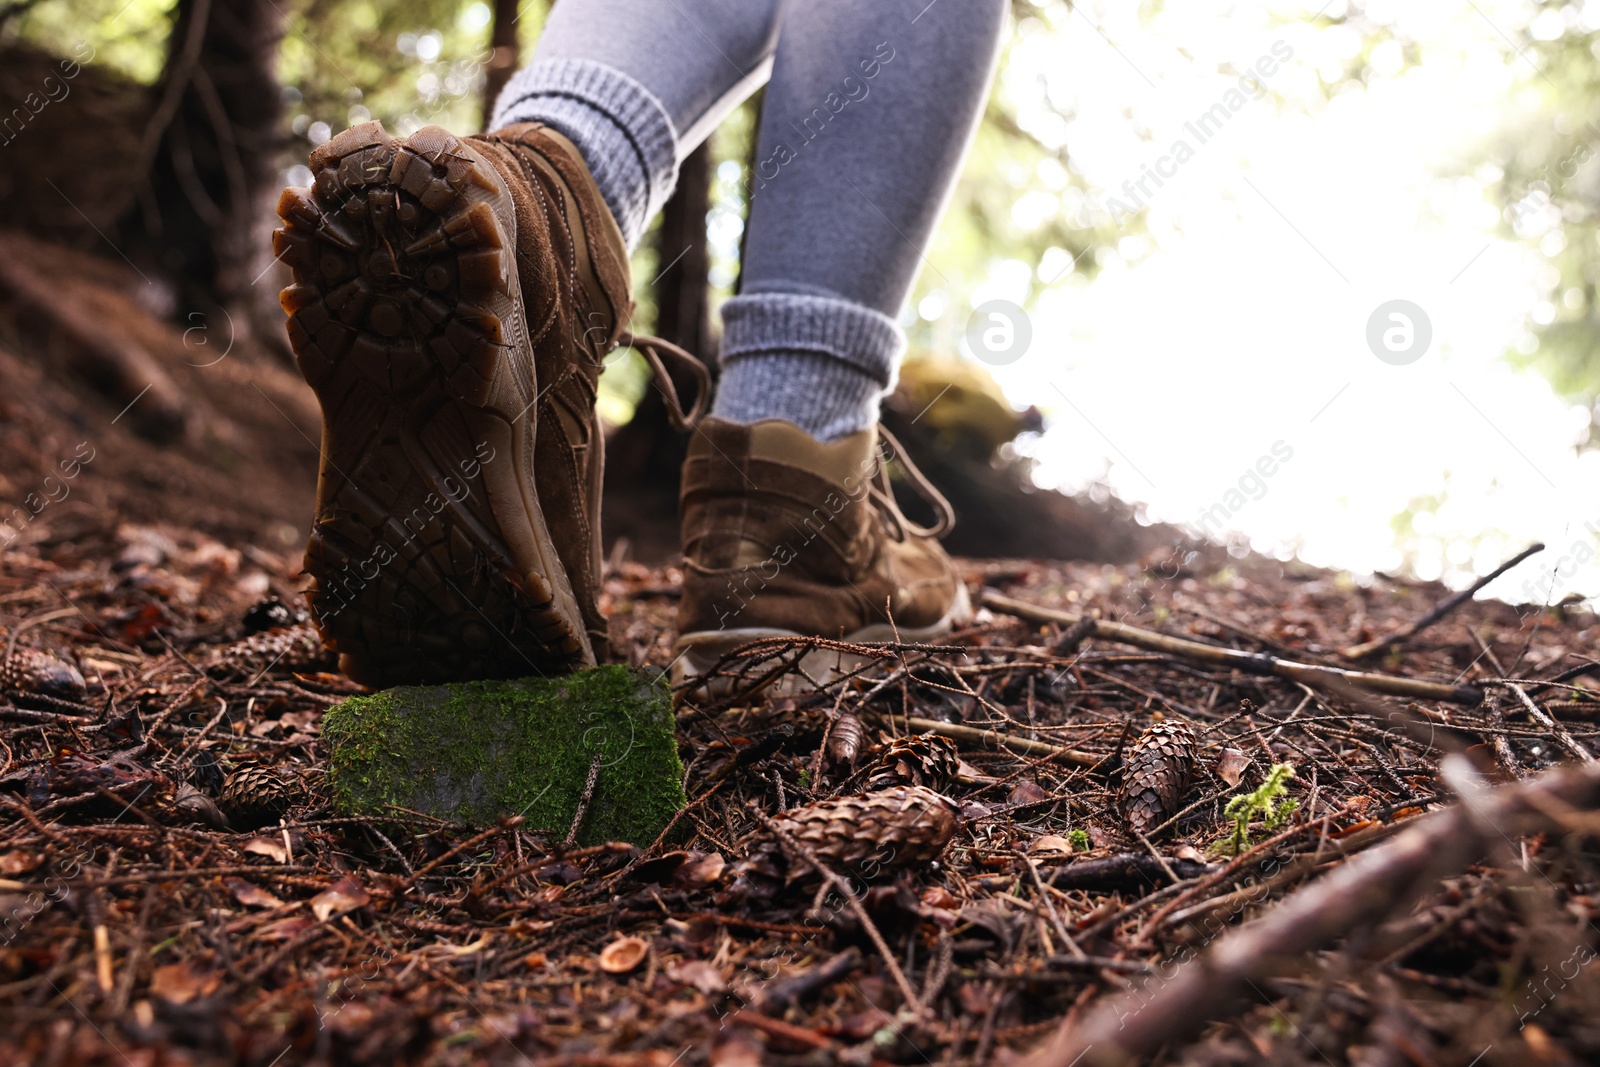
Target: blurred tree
{"points": [[204, 173], [1548, 186], [505, 54]]}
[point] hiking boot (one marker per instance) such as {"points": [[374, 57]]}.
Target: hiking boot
{"points": [[452, 305], [785, 536]]}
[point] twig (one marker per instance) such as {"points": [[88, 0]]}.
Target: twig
{"points": [[1132, 1027], [776, 996], [1446, 606], [1543, 718], [1249, 662], [1073, 637], [583, 803], [993, 738], [1050, 906], [510, 823]]}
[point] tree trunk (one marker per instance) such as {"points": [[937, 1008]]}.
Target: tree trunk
{"points": [[644, 458], [505, 54], [683, 279], [200, 202]]}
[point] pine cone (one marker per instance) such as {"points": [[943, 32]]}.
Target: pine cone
{"points": [[1158, 773], [32, 670], [256, 796], [924, 759], [867, 835], [292, 648], [871, 834]]}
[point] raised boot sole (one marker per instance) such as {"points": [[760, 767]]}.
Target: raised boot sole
{"points": [[429, 556]]}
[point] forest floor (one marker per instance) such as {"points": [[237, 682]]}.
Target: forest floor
{"points": [[165, 476], [138, 931]]}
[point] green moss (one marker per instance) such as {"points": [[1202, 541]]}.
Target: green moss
{"points": [[472, 751]]}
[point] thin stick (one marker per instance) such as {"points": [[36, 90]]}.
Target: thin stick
{"points": [[1446, 606], [991, 738], [583, 802], [474, 841], [1050, 906], [1249, 662], [1542, 717]]}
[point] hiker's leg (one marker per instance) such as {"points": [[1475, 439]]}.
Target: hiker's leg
{"points": [[638, 84], [863, 130]]}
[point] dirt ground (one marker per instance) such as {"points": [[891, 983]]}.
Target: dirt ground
{"points": [[174, 888]]}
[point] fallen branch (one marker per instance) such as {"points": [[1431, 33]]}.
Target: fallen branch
{"points": [[1131, 869], [1363, 892], [1446, 606], [1249, 662]]}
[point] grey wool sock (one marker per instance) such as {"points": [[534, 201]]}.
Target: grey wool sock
{"points": [[622, 130], [819, 362]]}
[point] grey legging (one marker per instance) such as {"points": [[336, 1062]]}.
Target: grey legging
{"points": [[869, 111]]}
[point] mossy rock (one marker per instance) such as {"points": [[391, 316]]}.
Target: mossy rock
{"points": [[473, 751]]}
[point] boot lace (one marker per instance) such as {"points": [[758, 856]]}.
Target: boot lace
{"points": [[652, 349], [889, 508]]}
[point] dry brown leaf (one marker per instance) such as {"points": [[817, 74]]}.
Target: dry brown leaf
{"points": [[700, 975], [344, 895], [251, 895], [700, 869], [1051, 843], [623, 955], [966, 772], [1231, 765], [181, 982], [268, 846], [19, 862], [1027, 791]]}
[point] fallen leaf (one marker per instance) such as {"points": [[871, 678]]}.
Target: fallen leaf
{"points": [[700, 869], [1231, 765], [1051, 843], [19, 862], [179, 983], [623, 955], [973, 810], [268, 846], [1189, 852], [700, 975], [344, 895], [938, 897], [966, 772], [1027, 791], [251, 895], [284, 929]]}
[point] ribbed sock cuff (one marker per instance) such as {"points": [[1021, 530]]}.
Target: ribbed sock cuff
{"points": [[821, 363], [621, 129]]}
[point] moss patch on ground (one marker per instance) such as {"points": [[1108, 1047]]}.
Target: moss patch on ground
{"points": [[473, 751]]}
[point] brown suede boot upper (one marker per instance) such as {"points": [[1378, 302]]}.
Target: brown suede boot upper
{"points": [[573, 266], [782, 532]]}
